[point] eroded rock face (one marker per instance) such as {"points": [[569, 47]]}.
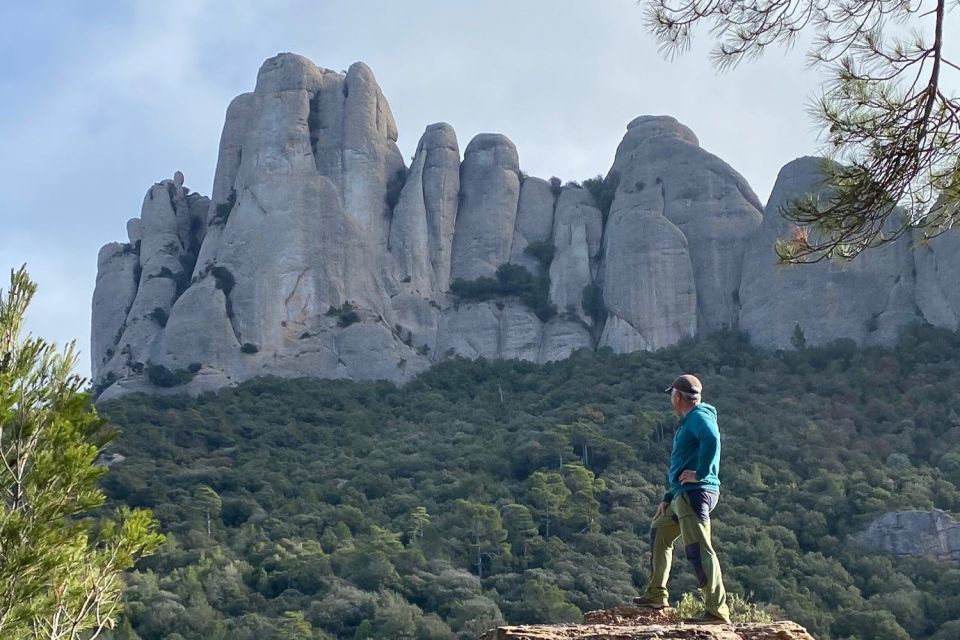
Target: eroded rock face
{"points": [[938, 272], [648, 286], [489, 193], [534, 221], [931, 534], [662, 170], [577, 234], [421, 230], [866, 299], [320, 254]]}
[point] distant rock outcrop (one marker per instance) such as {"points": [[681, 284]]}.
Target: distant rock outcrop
{"points": [[320, 253], [932, 534], [628, 623]]}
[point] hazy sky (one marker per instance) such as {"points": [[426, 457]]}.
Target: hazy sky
{"points": [[99, 100]]}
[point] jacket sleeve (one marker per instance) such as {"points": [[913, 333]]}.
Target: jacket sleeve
{"points": [[709, 446]]}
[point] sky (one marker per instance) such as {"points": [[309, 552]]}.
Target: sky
{"points": [[99, 100]]}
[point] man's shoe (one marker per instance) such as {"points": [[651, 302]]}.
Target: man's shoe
{"points": [[647, 603], [708, 618]]}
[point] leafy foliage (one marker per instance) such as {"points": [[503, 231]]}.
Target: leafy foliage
{"points": [[887, 111], [603, 189], [60, 569], [372, 510], [511, 280], [346, 314]]}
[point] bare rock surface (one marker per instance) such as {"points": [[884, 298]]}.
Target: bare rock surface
{"points": [[421, 229], [534, 223], [866, 299], [577, 234], [627, 623], [489, 194], [662, 170], [933, 534]]}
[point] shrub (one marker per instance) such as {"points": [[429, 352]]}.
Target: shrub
{"points": [[511, 280], [346, 314], [225, 279], [603, 190], [543, 251], [158, 315], [556, 185], [161, 376], [223, 210]]}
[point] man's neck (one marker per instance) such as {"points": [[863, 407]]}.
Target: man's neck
{"points": [[688, 410]]}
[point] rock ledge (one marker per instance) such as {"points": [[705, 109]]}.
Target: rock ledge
{"points": [[628, 623]]}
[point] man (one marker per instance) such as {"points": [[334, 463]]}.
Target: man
{"points": [[693, 489]]}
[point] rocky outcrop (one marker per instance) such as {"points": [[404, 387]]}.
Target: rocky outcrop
{"points": [[675, 237], [627, 623], [866, 299], [577, 234], [489, 193], [534, 221], [421, 231], [937, 274], [319, 253], [663, 171], [931, 534]]}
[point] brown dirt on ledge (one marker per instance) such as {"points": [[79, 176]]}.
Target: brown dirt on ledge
{"points": [[631, 623]]}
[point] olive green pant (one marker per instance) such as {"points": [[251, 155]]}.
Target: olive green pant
{"points": [[682, 520]]}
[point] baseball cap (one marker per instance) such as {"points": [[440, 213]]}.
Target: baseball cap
{"points": [[686, 384]]}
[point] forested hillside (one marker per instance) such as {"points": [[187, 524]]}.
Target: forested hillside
{"points": [[491, 491]]}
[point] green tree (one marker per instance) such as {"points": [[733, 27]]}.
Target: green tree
{"points": [[521, 529], [485, 532], [887, 111], [209, 504], [293, 626], [417, 520], [583, 508], [60, 568], [548, 495]]}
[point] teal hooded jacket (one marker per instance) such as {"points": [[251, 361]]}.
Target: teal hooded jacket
{"points": [[696, 446]]}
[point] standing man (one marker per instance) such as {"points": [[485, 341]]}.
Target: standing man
{"points": [[693, 489]]}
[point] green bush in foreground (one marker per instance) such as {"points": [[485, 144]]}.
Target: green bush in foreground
{"points": [[60, 568]]}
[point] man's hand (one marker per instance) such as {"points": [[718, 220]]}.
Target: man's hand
{"points": [[662, 509], [688, 476]]}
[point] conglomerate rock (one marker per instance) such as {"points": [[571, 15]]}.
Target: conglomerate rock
{"points": [[319, 253], [866, 299]]}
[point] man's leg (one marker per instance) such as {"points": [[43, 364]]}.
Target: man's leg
{"points": [[664, 531], [693, 510]]}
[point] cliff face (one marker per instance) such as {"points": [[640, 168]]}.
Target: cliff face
{"points": [[320, 253]]}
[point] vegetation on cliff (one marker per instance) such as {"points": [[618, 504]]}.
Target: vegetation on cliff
{"points": [[491, 491]]}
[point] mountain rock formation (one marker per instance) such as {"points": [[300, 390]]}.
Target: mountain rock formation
{"points": [[320, 253]]}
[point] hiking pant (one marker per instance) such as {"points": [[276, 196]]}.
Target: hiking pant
{"points": [[687, 517]]}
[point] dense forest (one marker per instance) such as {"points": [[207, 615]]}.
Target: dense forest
{"points": [[491, 491]]}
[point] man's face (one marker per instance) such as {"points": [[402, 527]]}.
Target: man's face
{"points": [[675, 401]]}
